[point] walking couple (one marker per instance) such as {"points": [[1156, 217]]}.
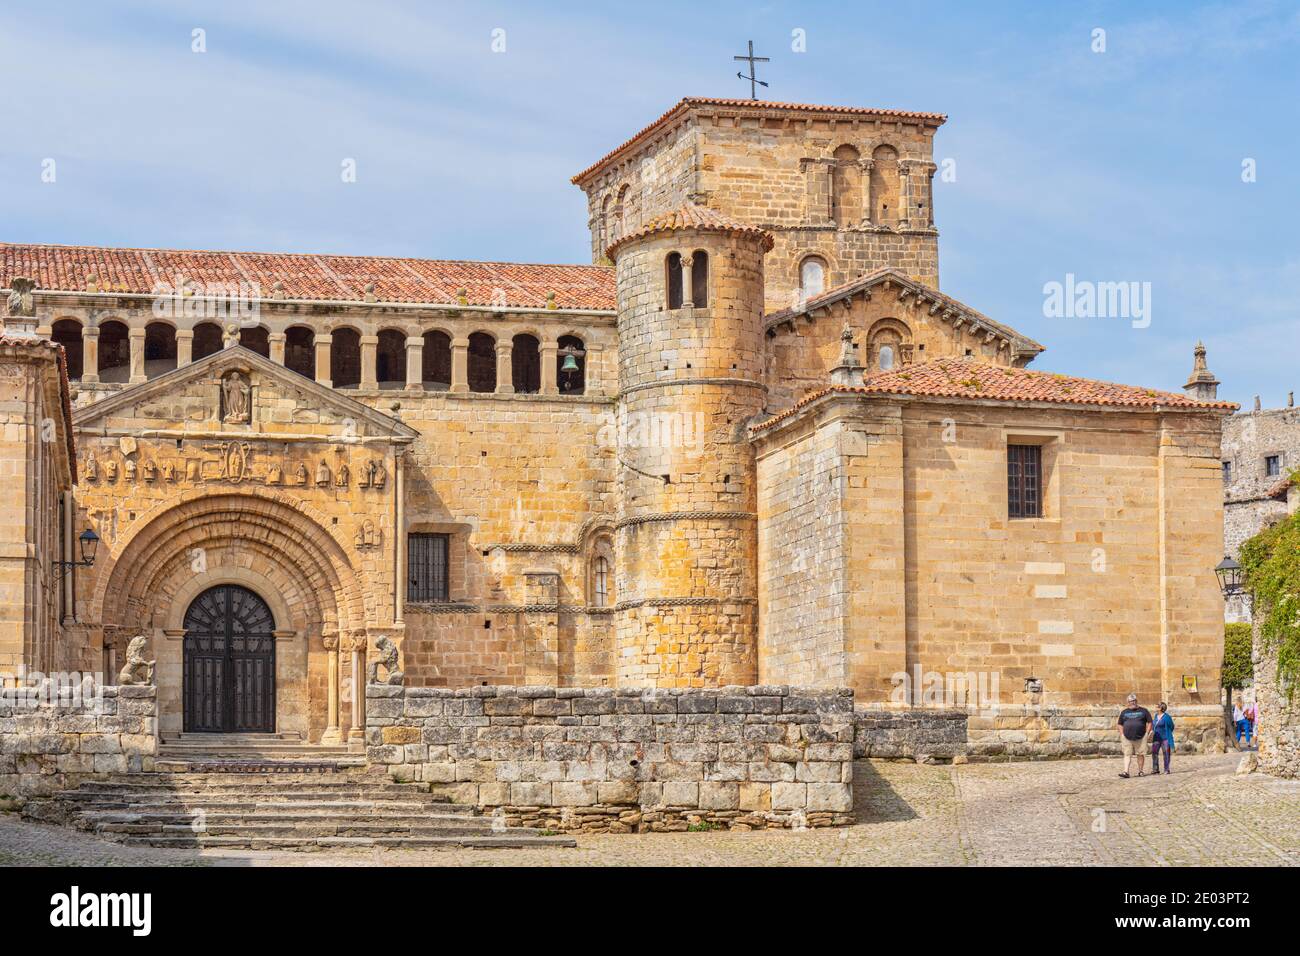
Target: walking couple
{"points": [[1138, 729]]}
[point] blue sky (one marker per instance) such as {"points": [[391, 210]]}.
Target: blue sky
{"points": [[1117, 166]]}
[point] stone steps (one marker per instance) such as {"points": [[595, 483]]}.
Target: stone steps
{"points": [[279, 808]]}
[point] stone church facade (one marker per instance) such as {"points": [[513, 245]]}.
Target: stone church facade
{"points": [[752, 444]]}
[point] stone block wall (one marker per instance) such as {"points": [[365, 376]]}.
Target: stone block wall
{"points": [[48, 745], [600, 759], [1278, 730], [922, 735]]}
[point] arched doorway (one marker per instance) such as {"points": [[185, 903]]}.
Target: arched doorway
{"points": [[229, 663]]}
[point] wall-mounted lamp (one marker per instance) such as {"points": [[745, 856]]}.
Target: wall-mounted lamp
{"points": [[88, 542]]}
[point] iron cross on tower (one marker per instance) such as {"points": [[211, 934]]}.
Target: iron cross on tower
{"points": [[753, 72]]}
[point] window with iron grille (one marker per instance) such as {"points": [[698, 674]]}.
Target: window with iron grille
{"points": [[1025, 481], [1273, 465], [426, 567]]}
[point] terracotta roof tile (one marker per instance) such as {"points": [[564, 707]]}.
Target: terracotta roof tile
{"points": [[753, 105], [305, 276], [691, 216], [1280, 488], [968, 379]]}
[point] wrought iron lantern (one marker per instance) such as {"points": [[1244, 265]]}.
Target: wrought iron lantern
{"points": [[1231, 578], [88, 541]]}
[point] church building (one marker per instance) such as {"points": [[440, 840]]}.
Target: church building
{"points": [[752, 443]]}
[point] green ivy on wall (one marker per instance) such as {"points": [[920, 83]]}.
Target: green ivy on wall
{"points": [[1271, 561]]}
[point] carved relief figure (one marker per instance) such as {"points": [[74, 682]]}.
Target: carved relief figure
{"points": [[21, 300], [91, 471], [168, 471], [343, 475], [110, 470], [235, 392], [387, 652], [300, 476], [380, 475], [137, 670], [368, 536], [150, 470], [273, 474], [322, 473], [129, 468]]}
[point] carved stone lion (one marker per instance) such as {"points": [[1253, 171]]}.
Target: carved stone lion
{"points": [[137, 670], [388, 658]]}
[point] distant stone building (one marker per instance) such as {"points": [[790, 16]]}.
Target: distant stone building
{"points": [[1261, 451], [752, 443]]}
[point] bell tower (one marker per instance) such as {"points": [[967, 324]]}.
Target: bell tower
{"points": [[690, 294]]}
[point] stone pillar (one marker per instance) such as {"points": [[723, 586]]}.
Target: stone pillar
{"points": [[399, 538], [460, 365], [90, 355], [415, 363], [136, 339], [548, 352], [593, 371], [905, 211], [332, 735], [357, 731], [276, 340], [369, 343], [323, 340], [184, 347], [688, 283], [505, 369], [866, 166]]}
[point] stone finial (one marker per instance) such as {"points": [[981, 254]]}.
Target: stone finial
{"points": [[369, 292], [462, 296], [22, 306], [849, 369], [550, 300], [1201, 384], [1257, 405]]}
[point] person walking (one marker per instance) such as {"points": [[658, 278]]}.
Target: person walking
{"points": [[1134, 722], [1252, 715], [1240, 723], [1162, 737]]}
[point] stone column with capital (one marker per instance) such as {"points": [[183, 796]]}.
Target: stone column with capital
{"points": [[332, 735], [357, 731], [415, 363], [135, 338], [868, 214], [90, 355], [688, 283], [323, 341], [184, 347], [369, 345], [276, 342], [460, 365], [905, 210], [505, 368]]}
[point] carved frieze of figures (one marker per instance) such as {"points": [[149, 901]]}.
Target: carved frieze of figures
{"points": [[236, 396], [372, 475]]}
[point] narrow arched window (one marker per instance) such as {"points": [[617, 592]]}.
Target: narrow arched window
{"points": [[600, 582], [812, 277], [114, 352], [699, 279], [673, 279], [482, 363], [67, 332], [436, 371], [159, 349], [345, 358], [571, 376], [846, 187], [525, 364], [256, 339], [390, 359], [300, 351], [207, 340]]}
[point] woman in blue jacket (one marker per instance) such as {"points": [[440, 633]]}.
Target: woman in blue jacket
{"points": [[1162, 737]]}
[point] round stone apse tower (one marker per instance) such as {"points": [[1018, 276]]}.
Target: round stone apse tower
{"points": [[690, 325]]}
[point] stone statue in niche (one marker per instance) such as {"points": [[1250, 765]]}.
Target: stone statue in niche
{"points": [[129, 469], [300, 476], [368, 536], [91, 471], [168, 471], [192, 469], [110, 470], [235, 394], [150, 470], [343, 476], [380, 475], [322, 473], [273, 474]]}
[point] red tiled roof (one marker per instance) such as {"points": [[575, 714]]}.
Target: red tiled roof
{"points": [[757, 106], [65, 394], [1023, 343], [962, 378], [691, 216], [1280, 488], [307, 276]]}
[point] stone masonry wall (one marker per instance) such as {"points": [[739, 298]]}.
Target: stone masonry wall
{"points": [[599, 759], [1278, 732], [48, 745]]}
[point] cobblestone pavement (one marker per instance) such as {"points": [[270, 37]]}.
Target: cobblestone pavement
{"points": [[1059, 812]]}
